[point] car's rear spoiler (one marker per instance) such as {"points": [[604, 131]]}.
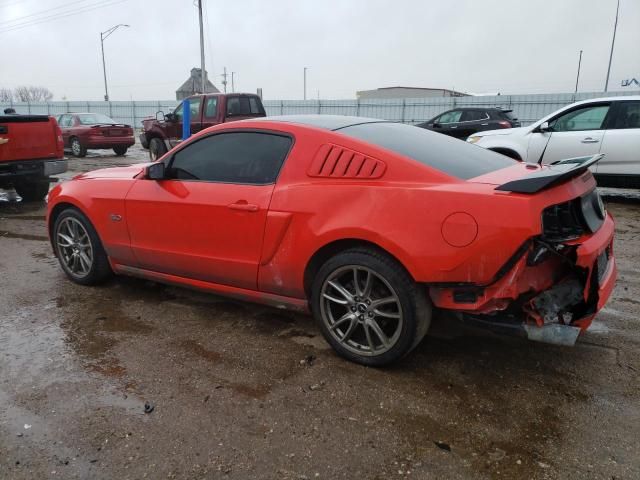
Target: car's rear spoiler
{"points": [[551, 175]]}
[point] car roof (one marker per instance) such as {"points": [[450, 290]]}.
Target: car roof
{"points": [[327, 122], [619, 98]]}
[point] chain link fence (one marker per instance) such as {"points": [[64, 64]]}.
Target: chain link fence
{"points": [[527, 108]]}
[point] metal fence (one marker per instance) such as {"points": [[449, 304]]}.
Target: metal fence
{"points": [[528, 108]]}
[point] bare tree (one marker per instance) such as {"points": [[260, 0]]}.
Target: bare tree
{"points": [[6, 95], [32, 94]]}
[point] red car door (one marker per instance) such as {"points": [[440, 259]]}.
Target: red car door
{"points": [[206, 220]]}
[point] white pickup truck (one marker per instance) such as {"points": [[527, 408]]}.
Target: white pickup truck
{"points": [[601, 125]]}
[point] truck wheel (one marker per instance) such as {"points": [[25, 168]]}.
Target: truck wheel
{"points": [[77, 149], [32, 191], [156, 149], [120, 151]]}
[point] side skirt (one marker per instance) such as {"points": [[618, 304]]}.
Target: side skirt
{"points": [[272, 300]]}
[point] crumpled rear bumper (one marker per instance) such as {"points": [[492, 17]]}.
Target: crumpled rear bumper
{"points": [[552, 301]]}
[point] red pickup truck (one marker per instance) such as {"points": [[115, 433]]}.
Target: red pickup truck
{"points": [[31, 151], [162, 133]]}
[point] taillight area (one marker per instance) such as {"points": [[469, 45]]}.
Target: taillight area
{"points": [[504, 124], [572, 219], [562, 222]]}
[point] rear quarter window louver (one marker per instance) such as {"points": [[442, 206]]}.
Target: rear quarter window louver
{"points": [[333, 161]]}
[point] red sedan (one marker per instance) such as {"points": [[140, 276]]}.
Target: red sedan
{"points": [[94, 131], [371, 225]]}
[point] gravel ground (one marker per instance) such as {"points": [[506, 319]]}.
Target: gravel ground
{"points": [[242, 391]]}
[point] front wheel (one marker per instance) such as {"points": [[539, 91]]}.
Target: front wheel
{"points": [[77, 148], [120, 151], [157, 149], [79, 249], [368, 307]]}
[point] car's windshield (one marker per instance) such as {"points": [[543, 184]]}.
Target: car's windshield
{"points": [[449, 155], [94, 118]]}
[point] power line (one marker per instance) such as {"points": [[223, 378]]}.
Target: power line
{"points": [[13, 20], [102, 4]]}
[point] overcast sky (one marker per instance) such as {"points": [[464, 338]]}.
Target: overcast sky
{"points": [[507, 46]]}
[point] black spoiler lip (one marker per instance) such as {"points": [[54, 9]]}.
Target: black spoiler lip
{"points": [[554, 174]]}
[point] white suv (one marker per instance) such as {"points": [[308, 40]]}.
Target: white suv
{"points": [[601, 125]]}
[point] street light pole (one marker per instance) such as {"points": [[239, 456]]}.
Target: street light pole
{"points": [[202, 72], [305, 83], [103, 36], [613, 41]]}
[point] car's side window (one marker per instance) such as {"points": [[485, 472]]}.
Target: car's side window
{"points": [[211, 107], [473, 116], [178, 112], [586, 118], [62, 120], [628, 116], [194, 107], [450, 117], [235, 157]]}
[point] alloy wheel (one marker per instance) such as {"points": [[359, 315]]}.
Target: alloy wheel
{"points": [[74, 247], [361, 310]]}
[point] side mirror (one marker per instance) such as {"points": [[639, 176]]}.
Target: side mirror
{"points": [[160, 114], [544, 127], [155, 171]]}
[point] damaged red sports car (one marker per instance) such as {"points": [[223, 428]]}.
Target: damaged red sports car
{"points": [[369, 224]]}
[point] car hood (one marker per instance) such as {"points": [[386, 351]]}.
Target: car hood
{"points": [[115, 172], [518, 131]]}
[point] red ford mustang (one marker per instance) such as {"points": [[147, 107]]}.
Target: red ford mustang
{"points": [[369, 224]]}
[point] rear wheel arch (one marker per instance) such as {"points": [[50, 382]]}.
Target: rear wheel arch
{"points": [[324, 253]]}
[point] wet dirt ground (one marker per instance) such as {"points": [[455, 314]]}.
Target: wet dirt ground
{"points": [[242, 391]]}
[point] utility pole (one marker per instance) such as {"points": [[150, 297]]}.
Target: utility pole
{"points": [[613, 41], [233, 82], [578, 76], [305, 83], [224, 79], [103, 37], [202, 70]]}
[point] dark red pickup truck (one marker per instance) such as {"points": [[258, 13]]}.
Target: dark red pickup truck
{"points": [[31, 151], [162, 133]]}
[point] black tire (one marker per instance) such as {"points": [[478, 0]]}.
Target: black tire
{"points": [[414, 308], [157, 149], [77, 148], [100, 270], [32, 190], [120, 151]]}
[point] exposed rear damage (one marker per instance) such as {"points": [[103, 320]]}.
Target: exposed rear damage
{"points": [[553, 285]]}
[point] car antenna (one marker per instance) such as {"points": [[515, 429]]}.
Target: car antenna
{"points": [[544, 150]]}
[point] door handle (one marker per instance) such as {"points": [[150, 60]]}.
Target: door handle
{"points": [[243, 206], [590, 140], [484, 124]]}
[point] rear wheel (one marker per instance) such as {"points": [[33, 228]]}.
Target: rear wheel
{"points": [[32, 191], [79, 249], [156, 149], [368, 307], [77, 149], [120, 151]]}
